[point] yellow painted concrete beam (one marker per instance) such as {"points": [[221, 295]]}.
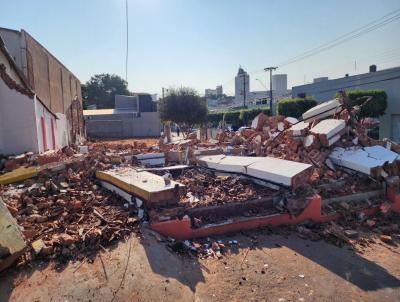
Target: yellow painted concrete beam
{"points": [[19, 174]]}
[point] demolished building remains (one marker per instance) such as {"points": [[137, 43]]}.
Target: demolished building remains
{"points": [[282, 171]]}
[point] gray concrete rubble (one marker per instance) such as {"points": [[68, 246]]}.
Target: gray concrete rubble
{"points": [[363, 160]]}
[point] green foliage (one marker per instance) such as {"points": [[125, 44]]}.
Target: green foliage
{"points": [[373, 108], [101, 89], [295, 107], [184, 107], [215, 117], [232, 117], [247, 115]]}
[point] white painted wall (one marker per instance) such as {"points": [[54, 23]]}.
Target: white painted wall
{"points": [[61, 131], [17, 122], [41, 111]]}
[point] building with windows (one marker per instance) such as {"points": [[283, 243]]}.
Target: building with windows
{"points": [[323, 89], [242, 86]]}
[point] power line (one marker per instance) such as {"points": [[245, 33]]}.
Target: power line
{"points": [[346, 37], [127, 41]]}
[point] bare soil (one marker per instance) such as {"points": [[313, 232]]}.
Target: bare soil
{"points": [[262, 267]]}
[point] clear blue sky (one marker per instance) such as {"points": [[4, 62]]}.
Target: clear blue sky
{"points": [[201, 43]]}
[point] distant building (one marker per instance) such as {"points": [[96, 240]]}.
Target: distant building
{"points": [[216, 93], [52, 117], [279, 83], [133, 116], [323, 89], [242, 86], [219, 90]]}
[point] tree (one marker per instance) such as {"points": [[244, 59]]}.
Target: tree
{"points": [[101, 89], [184, 107]]}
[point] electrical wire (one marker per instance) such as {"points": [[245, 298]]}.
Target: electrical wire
{"points": [[378, 23], [127, 41]]}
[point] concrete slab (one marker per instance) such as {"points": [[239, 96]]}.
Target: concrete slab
{"points": [[148, 186], [328, 131], [151, 159], [274, 170], [322, 110], [363, 160], [278, 171], [236, 164], [12, 243], [211, 161]]}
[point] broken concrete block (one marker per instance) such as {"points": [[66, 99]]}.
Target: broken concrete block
{"points": [[151, 159], [363, 160], [37, 246], [19, 174], [279, 171], [258, 122], [322, 110], [12, 243], [291, 120], [329, 131], [145, 185], [299, 129], [311, 142]]}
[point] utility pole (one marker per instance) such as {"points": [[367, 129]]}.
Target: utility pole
{"points": [[270, 69], [244, 90]]}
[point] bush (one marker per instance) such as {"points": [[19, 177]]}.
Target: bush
{"points": [[247, 115], [215, 117], [232, 117], [373, 108], [295, 107]]}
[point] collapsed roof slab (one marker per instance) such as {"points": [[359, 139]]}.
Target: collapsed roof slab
{"points": [[211, 161], [147, 186], [236, 164], [274, 170], [322, 110], [363, 160], [280, 171]]}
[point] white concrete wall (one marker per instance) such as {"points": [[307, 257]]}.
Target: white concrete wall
{"points": [[17, 122]]}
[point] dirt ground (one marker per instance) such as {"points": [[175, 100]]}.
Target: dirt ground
{"points": [[262, 267]]}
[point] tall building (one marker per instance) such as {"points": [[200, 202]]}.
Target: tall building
{"points": [[219, 90], [279, 83], [242, 85]]}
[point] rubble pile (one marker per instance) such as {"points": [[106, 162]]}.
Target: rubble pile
{"points": [[355, 230], [312, 141], [203, 188], [66, 215]]}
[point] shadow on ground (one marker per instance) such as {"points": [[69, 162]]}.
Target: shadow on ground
{"points": [[344, 262]]}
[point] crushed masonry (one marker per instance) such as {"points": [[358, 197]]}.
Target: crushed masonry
{"points": [[72, 202]]}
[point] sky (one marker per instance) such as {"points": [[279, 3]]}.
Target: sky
{"points": [[202, 43]]}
